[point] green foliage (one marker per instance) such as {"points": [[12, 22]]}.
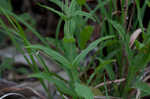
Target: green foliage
{"points": [[115, 58]]}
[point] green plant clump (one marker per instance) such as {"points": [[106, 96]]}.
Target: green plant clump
{"points": [[129, 56]]}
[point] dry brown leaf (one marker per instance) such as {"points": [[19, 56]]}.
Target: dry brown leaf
{"points": [[134, 36]]}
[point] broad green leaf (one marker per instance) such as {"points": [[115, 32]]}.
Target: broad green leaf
{"points": [[82, 55], [81, 2], [85, 35], [59, 83], [83, 91], [53, 54]]}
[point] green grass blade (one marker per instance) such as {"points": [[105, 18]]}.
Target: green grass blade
{"points": [[25, 23], [98, 68], [139, 14], [53, 10], [58, 2], [118, 27]]}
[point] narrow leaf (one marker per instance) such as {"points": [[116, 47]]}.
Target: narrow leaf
{"points": [[53, 54], [58, 2], [82, 55], [81, 13], [25, 23], [59, 83], [118, 27], [53, 10]]}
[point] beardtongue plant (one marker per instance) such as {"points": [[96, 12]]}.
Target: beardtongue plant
{"points": [[72, 15], [69, 60]]}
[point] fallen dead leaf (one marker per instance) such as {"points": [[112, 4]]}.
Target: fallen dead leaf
{"points": [[134, 36]]}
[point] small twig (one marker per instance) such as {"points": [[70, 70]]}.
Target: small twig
{"points": [[27, 92], [138, 94], [146, 78], [116, 12], [110, 82], [36, 93], [12, 94]]}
